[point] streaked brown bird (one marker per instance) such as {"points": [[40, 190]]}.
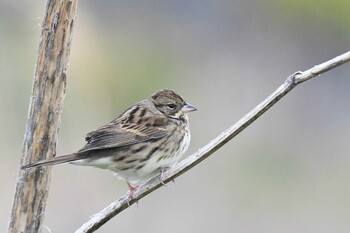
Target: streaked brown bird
{"points": [[147, 138]]}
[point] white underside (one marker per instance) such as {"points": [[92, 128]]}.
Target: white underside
{"points": [[151, 168]]}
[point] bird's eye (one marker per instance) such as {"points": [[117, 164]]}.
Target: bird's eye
{"points": [[171, 106]]}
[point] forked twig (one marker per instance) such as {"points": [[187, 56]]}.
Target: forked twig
{"points": [[122, 203]]}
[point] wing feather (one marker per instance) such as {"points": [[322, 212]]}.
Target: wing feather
{"points": [[134, 126]]}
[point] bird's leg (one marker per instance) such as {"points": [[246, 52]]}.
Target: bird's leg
{"points": [[131, 192], [163, 170]]}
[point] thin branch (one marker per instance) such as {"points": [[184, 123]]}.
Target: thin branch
{"points": [[121, 204], [46, 103]]}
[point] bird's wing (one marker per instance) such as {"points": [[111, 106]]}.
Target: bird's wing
{"points": [[135, 125]]}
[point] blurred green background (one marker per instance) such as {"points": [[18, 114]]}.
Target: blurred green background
{"points": [[288, 172]]}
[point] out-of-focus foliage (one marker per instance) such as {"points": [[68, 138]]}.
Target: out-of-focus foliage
{"points": [[335, 12]]}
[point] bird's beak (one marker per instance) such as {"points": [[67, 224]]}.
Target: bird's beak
{"points": [[188, 108]]}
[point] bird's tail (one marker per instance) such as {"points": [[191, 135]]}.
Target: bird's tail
{"points": [[54, 161]]}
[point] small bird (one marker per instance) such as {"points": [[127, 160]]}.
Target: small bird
{"points": [[145, 140]]}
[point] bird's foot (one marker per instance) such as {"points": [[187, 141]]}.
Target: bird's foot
{"points": [[162, 175], [131, 193]]}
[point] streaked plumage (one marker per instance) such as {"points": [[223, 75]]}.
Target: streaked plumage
{"points": [[151, 135]]}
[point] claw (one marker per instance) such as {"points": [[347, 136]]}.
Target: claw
{"points": [[162, 175], [131, 192]]}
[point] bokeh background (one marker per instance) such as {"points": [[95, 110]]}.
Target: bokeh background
{"points": [[288, 172]]}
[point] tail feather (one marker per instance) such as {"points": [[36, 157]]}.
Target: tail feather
{"points": [[54, 161]]}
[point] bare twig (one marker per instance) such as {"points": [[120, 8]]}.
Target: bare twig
{"points": [[122, 203], [46, 102]]}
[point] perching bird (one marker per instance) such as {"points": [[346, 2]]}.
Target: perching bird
{"points": [[150, 136]]}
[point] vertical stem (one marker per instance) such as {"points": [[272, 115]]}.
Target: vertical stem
{"points": [[46, 103]]}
